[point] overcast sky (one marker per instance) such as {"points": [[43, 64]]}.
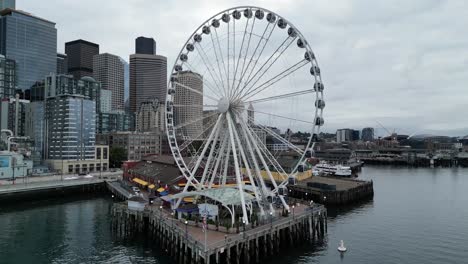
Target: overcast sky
{"points": [[402, 63]]}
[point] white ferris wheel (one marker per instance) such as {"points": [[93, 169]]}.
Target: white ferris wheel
{"points": [[245, 77]]}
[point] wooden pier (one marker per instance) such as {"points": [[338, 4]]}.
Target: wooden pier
{"points": [[185, 241]]}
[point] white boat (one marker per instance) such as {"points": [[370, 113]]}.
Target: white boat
{"points": [[342, 248], [329, 169]]}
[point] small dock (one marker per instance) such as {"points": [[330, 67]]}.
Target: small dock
{"points": [[332, 190], [185, 242]]}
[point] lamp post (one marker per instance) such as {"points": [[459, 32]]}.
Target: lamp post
{"points": [[306, 196], [172, 220], [293, 211], [271, 219], [243, 224], [186, 231]]}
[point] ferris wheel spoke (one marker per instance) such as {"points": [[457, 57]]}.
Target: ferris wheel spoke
{"points": [[222, 59], [194, 121], [240, 52], [275, 79], [262, 159], [219, 156], [206, 82], [267, 153], [281, 49], [188, 142], [215, 49], [281, 116], [260, 40], [246, 53], [206, 144], [247, 80], [281, 96], [195, 91], [195, 106], [210, 156], [283, 140], [209, 66]]}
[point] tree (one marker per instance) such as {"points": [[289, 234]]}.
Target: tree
{"points": [[116, 156]]}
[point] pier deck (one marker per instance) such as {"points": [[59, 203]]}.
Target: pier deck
{"points": [[186, 243]]}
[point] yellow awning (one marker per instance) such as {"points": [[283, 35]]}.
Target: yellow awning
{"points": [[151, 186], [188, 199], [139, 181], [161, 189]]}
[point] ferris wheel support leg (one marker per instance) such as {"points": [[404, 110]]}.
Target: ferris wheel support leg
{"points": [[218, 160], [210, 157], [265, 165], [226, 164], [247, 168], [263, 187], [236, 168], [192, 174]]}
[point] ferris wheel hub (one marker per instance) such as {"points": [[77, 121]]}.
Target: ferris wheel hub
{"points": [[223, 105]]}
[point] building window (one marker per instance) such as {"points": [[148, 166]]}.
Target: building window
{"points": [[98, 153], [91, 167], [77, 168], [104, 166], [70, 168], [105, 153], [84, 167], [98, 167]]}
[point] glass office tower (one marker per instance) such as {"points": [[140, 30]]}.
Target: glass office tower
{"points": [[30, 41]]}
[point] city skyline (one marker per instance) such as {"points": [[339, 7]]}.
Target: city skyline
{"points": [[360, 89]]}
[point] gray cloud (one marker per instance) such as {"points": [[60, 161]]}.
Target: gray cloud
{"points": [[402, 63]]}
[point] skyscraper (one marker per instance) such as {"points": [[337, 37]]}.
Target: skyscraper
{"points": [[109, 70], [148, 79], [62, 63], [7, 4], [30, 41], [150, 117], [80, 57], [145, 46], [187, 97]]}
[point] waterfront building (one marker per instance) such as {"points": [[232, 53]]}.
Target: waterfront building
{"points": [[136, 144], [14, 165], [13, 115], [367, 134], [62, 63], [145, 46], [30, 41], [99, 162], [115, 121], [106, 101], [80, 57], [148, 79], [35, 130], [7, 77], [186, 97], [108, 69], [7, 4], [346, 134], [150, 117], [69, 110]]}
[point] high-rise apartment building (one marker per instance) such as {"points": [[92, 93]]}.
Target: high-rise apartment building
{"points": [[80, 57], [30, 41], [106, 101], [62, 63], [108, 69], [367, 134], [7, 77], [7, 4], [13, 115], [145, 46], [186, 97]]}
